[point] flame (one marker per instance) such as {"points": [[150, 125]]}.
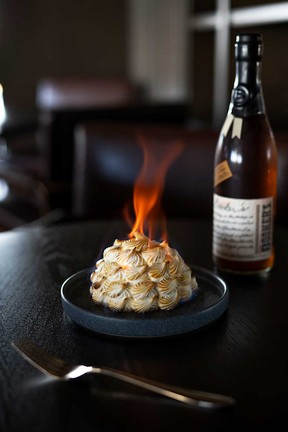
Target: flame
{"points": [[149, 185]]}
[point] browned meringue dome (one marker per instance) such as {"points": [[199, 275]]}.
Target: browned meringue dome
{"points": [[141, 275]]}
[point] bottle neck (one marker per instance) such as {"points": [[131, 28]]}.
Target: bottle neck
{"points": [[247, 96]]}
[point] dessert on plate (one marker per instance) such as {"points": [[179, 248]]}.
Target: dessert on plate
{"points": [[139, 274]]}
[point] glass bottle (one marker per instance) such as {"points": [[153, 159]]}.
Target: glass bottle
{"points": [[245, 171]]}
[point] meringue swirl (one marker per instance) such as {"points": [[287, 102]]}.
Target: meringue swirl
{"points": [[141, 275]]}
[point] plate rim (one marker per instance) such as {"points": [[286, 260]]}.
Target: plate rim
{"points": [[118, 315]]}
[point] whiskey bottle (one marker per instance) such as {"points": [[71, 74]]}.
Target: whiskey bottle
{"points": [[245, 171]]}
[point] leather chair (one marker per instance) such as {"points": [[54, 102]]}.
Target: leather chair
{"points": [[43, 151], [282, 181], [23, 199], [109, 159], [37, 154], [64, 103]]}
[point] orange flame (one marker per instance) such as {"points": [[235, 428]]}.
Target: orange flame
{"points": [[149, 186]]}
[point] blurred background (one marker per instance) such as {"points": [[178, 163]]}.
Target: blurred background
{"points": [[170, 61], [177, 50]]}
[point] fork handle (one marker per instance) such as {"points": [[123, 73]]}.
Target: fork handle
{"points": [[194, 398]]}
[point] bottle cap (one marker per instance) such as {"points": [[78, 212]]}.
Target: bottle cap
{"points": [[249, 47]]}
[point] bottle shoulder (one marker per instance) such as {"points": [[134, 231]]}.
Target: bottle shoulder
{"points": [[254, 128], [250, 160]]}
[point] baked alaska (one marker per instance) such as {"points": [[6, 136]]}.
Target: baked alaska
{"points": [[141, 275]]}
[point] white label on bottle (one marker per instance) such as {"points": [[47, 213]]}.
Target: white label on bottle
{"points": [[237, 126], [242, 229]]}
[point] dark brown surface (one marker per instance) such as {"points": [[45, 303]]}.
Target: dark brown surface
{"points": [[244, 354]]}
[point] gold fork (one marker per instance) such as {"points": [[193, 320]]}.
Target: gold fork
{"points": [[60, 369]]}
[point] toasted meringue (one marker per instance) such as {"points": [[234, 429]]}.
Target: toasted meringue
{"points": [[141, 275]]}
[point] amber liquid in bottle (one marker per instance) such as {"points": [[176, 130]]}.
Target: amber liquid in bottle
{"points": [[245, 180]]}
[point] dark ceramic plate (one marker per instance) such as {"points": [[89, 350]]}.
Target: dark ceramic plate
{"points": [[208, 305]]}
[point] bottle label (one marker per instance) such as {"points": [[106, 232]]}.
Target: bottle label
{"points": [[242, 229], [237, 123], [222, 172]]}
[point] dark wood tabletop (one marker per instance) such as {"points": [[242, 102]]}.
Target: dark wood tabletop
{"points": [[244, 353]]}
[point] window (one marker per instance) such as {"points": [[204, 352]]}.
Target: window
{"points": [[213, 29]]}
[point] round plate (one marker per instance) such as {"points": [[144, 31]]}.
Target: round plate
{"points": [[206, 306]]}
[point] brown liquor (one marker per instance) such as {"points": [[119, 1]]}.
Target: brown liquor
{"points": [[245, 180]]}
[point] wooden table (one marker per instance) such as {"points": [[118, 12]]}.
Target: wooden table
{"points": [[243, 354]]}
